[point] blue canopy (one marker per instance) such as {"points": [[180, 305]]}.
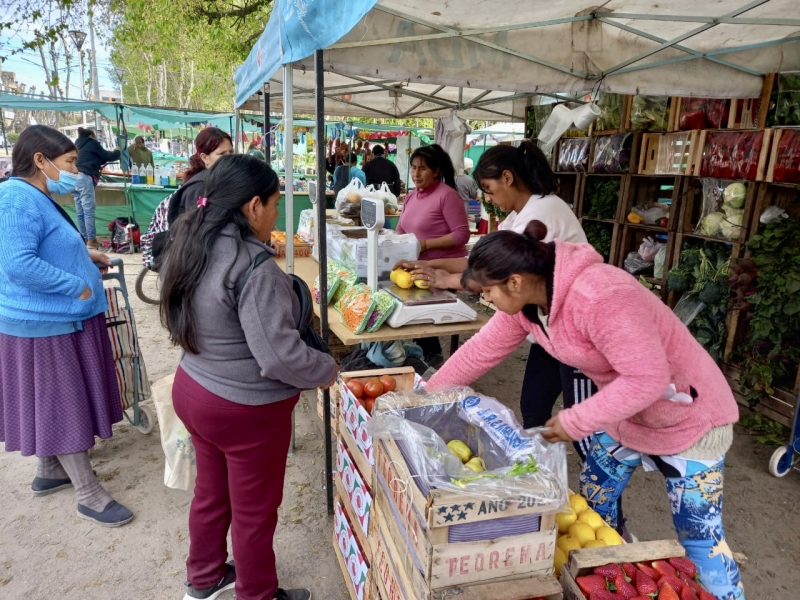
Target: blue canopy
{"points": [[288, 37]]}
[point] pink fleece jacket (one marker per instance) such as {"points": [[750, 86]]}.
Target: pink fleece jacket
{"points": [[604, 322]]}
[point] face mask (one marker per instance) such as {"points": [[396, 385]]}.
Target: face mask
{"points": [[65, 184]]}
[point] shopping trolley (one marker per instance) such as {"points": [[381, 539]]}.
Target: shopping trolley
{"points": [[134, 387], [788, 456]]}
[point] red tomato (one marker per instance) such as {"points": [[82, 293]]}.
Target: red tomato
{"points": [[664, 222], [368, 404], [373, 388], [355, 386], [389, 383]]}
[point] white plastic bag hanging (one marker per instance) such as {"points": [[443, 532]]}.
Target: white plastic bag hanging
{"points": [[180, 467], [348, 201], [562, 119]]}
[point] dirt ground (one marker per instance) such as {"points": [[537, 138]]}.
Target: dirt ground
{"points": [[47, 552]]}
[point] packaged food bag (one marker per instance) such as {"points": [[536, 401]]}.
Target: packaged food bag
{"points": [[356, 307], [333, 284], [385, 304]]}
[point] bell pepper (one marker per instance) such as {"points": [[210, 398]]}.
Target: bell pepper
{"points": [[635, 218]]}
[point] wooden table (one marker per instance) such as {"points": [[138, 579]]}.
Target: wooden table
{"points": [[308, 269]]}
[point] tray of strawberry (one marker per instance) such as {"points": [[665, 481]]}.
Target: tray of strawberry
{"points": [[641, 571]]}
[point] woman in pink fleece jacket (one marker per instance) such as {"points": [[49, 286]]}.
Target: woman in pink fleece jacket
{"points": [[663, 402]]}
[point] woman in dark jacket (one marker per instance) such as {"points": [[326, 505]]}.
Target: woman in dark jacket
{"points": [[91, 158]]}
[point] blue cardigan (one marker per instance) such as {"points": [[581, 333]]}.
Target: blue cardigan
{"points": [[44, 266]]}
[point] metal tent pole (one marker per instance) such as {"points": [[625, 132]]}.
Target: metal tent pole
{"points": [[288, 161], [267, 126], [322, 245]]}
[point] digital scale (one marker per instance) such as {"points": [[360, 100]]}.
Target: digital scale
{"points": [[415, 306]]}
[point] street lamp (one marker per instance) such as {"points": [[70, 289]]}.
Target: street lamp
{"points": [[78, 37]]}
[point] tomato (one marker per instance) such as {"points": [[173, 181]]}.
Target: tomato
{"points": [[368, 404], [389, 383], [664, 222], [356, 387], [373, 388]]}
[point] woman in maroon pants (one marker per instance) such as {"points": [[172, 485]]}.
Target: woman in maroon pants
{"points": [[242, 370]]}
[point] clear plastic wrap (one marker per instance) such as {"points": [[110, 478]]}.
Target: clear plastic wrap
{"points": [[519, 463], [650, 113], [348, 200], [333, 283], [305, 225], [612, 153], [612, 107], [703, 113], [787, 162], [356, 307], [636, 265], [385, 304], [723, 209], [787, 101], [732, 154], [658, 262], [573, 155]]}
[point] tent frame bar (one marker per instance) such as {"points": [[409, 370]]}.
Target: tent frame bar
{"points": [[699, 19]]}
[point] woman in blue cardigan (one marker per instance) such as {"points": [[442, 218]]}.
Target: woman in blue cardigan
{"points": [[58, 388]]}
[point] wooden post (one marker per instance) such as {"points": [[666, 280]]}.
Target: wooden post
{"points": [[766, 94]]}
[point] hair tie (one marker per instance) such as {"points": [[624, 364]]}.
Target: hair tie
{"points": [[202, 201]]}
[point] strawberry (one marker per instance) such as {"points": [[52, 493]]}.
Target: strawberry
{"points": [[668, 593], [645, 584], [591, 583], [691, 583], [605, 595], [675, 583], [610, 571], [684, 565], [704, 595], [687, 593], [630, 570], [664, 567], [649, 571], [641, 598], [624, 588]]}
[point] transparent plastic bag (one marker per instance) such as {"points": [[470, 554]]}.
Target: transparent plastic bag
{"points": [[385, 304], [772, 214], [611, 108], [658, 262], [723, 209], [636, 265], [333, 283], [573, 155], [650, 113], [687, 310], [423, 421], [732, 154], [348, 200], [557, 123], [649, 249], [652, 214], [787, 163], [356, 307], [612, 153]]}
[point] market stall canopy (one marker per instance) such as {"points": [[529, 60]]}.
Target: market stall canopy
{"points": [[460, 50], [16, 102]]}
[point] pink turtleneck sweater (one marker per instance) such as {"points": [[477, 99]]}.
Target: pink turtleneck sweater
{"points": [[435, 212]]}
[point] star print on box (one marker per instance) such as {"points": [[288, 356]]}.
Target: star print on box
{"points": [[456, 512]]}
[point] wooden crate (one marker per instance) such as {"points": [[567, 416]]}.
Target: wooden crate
{"points": [[632, 237], [778, 406], [744, 114], [669, 153], [583, 201], [643, 190], [702, 149], [300, 250], [353, 417], [625, 120], [351, 556], [691, 210], [616, 235], [779, 134], [582, 562], [557, 153], [570, 188], [355, 494], [425, 521], [782, 195], [399, 579], [636, 145]]}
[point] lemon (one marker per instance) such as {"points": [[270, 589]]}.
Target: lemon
{"points": [[393, 275], [609, 535], [581, 532], [403, 280], [558, 560], [578, 503], [476, 464], [592, 519], [594, 544], [421, 284], [460, 449], [568, 543], [564, 520]]}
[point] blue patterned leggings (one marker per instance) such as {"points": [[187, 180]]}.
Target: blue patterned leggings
{"points": [[694, 488]]}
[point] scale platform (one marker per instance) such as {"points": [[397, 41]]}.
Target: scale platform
{"points": [[418, 306]]}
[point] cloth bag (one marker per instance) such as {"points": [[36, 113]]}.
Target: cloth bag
{"points": [[180, 466]]}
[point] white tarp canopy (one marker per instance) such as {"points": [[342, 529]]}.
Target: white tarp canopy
{"points": [[720, 48]]}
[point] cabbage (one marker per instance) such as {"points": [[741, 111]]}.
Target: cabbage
{"points": [[732, 212], [711, 223], [734, 195], [731, 227]]}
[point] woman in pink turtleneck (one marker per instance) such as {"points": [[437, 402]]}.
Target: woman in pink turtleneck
{"points": [[434, 212], [663, 402]]}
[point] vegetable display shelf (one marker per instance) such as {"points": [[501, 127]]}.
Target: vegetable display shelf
{"points": [[571, 155], [615, 154], [704, 208], [784, 156], [733, 154], [632, 237], [602, 196], [570, 188], [669, 153]]}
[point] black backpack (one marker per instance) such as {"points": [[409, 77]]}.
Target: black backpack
{"points": [[306, 324]]}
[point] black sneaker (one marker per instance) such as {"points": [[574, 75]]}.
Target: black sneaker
{"points": [[298, 594], [226, 583], [435, 361]]}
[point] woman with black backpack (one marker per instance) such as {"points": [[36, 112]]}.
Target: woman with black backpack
{"points": [[243, 367]]}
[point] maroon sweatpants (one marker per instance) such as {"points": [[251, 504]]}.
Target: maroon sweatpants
{"points": [[241, 462]]}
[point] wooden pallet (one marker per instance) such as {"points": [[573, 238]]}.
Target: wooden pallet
{"points": [[582, 562], [669, 153]]}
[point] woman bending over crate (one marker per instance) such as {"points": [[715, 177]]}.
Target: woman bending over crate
{"points": [[240, 376], [58, 388], [663, 402]]}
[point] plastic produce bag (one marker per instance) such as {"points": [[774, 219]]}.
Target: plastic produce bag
{"points": [[787, 105], [687, 310], [732, 154], [611, 108], [653, 214], [519, 463], [612, 153], [557, 123], [723, 209], [772, 214], [649, 248], [389, 199], [347, 279], [385, 304], [658, 262], [636, 265], [333, 283], [573, 155], [180, 467], [787, 164], [650, 113], [348, 200], [305, 225], [356, 307], [703, 113]]}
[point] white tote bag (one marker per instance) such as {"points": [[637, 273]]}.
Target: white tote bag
{"points": [[180, 468]]}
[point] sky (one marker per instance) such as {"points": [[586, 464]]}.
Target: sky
{"points": [[27, 65]]}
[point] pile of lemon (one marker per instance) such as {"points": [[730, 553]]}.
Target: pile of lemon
{"points": [[581, 527]]}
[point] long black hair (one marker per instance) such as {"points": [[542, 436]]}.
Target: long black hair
{"points": [[87, 133], [527, 164], [231, 183], [37, 138], [501, 254], [436, 158]]}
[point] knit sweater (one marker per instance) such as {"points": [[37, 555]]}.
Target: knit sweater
{"points": [[604, 322], [44, 265], [435, 212], [251, 354]]}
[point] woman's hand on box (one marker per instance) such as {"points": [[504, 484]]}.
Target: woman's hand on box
{"points": [[555, 432]]}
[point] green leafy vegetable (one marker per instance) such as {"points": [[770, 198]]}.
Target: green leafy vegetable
{"points": [[524, 468], [599, 236], [602, 196]]}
